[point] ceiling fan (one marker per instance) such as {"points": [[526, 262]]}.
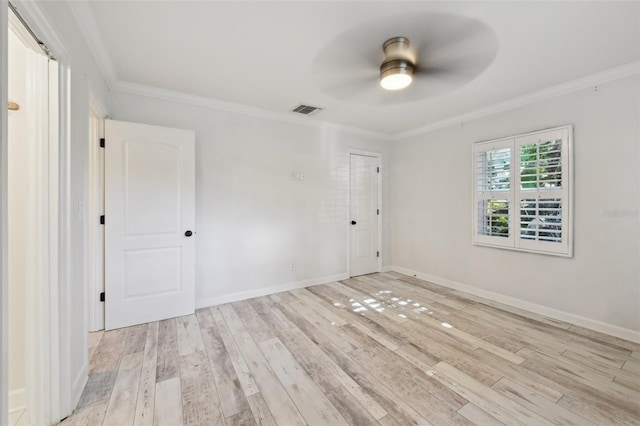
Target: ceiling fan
{"points": [[423, 55]]}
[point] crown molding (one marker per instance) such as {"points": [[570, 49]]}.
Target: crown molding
{"points": [[210, 103], [88, 26], [606, 76]]}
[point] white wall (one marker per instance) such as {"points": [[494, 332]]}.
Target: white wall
{"points": [[431, 196], [17, 136], [252, 221]]}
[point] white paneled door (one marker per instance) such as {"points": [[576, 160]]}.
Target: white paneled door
{"points": [[364, 190], [149, 220]]}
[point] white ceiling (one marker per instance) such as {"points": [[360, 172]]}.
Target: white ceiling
{"points": [[269, 54]]}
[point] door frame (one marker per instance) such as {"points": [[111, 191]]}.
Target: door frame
{"points": [[95, 208], [4, 186], [379, 157], [50, 332]]}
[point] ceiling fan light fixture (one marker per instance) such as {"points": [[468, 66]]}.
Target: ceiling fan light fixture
{"points": [[396, 75]]}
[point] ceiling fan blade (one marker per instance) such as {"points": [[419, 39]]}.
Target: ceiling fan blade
{"points": [[450, 51]]}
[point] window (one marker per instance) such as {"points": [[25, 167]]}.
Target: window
{"points": [[522, 187]]}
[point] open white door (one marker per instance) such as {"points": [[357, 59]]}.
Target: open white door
{"points": [[364, 251], [149, 219]]}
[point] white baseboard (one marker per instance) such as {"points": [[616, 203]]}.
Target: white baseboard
{"points": [[17, 400], [603, 327], [386, 268], [250, 294]]}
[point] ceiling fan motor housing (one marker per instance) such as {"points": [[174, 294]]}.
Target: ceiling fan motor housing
{"points": [[397, 63], [398, 66]]}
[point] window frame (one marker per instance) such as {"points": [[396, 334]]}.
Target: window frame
{"points": [[516, 193]]}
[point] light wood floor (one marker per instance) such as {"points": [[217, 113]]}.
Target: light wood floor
{"points": [[379, 349]]}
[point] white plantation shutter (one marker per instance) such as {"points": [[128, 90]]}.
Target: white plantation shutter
{"points": [[543, 191], [493, 214], [522, 192]]}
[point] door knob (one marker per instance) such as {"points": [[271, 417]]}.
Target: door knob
{"points": [[353, 222], [188, 234]]}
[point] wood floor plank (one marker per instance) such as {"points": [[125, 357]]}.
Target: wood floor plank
{"points": [[383, 396], [151, 342], [538, 404], [240, 366], [167, 365], [274, 320], [486, 398], [280, 404], [334, 332], [282, 408], [312, 403], [91, 414], [315, 303], [253, 323], [147, 386], [590, 378], [168, 405], [349, 408], [587, 399], [122, 404], [521, 374], [103, 367], [243, 418], [232, 397], [200, 401], [384, 348], [146, 394], [478, 416], [628, 380], [205, 317], [136, 339], [189, 337], [325, 372], [260, 410], [632, 366], [428, 397]]}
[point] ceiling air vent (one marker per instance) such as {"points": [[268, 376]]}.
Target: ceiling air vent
{"points": [[306, 109]]}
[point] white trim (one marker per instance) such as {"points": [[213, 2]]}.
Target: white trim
{"points": [[514, 195], [602, 327], [54, 332], [205, 102], [250, 294], [609, 75], [20, 31], [95, 231], [378, 155], [4, 186], [17, 400], [86, 22]]}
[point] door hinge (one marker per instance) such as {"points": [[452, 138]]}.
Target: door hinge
{"points": [[102, 296], [377, 254], [377, 169], [378, 212], [102, 220], [101, 142]]}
